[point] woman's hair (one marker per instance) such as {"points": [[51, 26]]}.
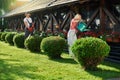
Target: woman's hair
{"points": [[77, 16]]}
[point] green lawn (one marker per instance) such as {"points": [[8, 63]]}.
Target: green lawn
{"points": [[20, 64]]}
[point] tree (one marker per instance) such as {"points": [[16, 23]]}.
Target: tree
{"points": [[4, 5]]}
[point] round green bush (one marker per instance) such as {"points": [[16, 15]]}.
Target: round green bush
{"points": [[3, 36], [18, 40], [89, 52], [53, 46], [32, 43], [9, 38]]}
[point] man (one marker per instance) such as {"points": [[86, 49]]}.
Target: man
{"points": [[28, 23]]}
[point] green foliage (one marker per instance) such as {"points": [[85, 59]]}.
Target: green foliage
{"points": [[3, 35], [89, 52], [0, 35], [8, 30], [47, 34], [53, 46], [50, 34], [18, 40], [5, 5], [33, 43], [61, 35], [37, 33], [9, 38], [43, 34]]}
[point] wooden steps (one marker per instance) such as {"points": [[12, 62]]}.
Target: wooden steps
{"points": [[114, 55]]}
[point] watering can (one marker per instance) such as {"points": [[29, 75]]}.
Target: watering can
{"points": [[82, 27]]}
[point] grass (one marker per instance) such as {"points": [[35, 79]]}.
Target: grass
{"points": [[20, 64]]}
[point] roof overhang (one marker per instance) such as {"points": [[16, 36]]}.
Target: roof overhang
{"points": [[37, 5]]}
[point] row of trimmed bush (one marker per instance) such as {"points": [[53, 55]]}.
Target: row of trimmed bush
{"points": [[89, 51], [53, 45], [13, 38]]}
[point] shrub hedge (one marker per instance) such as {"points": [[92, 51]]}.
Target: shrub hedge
{"points": [[3, 36], [18, 40], [32, 43], [9, 38], [53, 46], [89, 52]]}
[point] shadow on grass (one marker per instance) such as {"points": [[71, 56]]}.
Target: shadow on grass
{"points": [[38, 52], [107, 73], [11, 60], [4, 54], [65, 60], [15, 71], [35, 52], [111, 64]]}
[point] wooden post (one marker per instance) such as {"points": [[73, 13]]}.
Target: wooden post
{"points": [[46, 25], [40, 24], [41, 27], [71, 15], [52, 24], [111, 16], [102, 17], [57, 26], [92, 18], [65, 20]]}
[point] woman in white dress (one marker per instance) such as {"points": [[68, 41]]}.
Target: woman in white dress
{"points": [[71, 36]]}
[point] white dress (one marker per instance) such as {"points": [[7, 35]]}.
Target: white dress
{"points": [[71, 37]]}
